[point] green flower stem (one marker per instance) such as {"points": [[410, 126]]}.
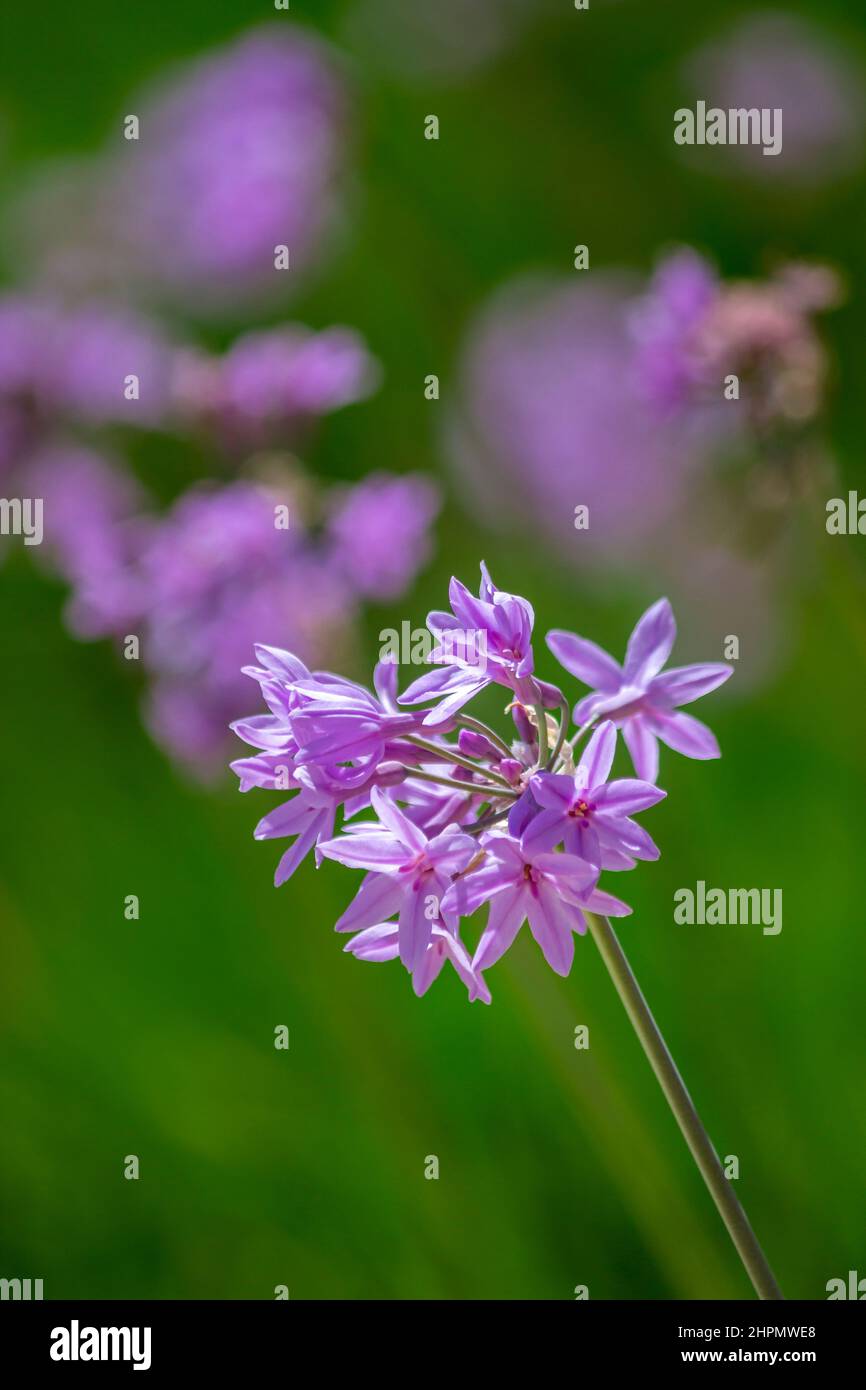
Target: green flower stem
{"points": [[468, 788], [560, 738], [678, 1098], [449, 755], [543, 741]]}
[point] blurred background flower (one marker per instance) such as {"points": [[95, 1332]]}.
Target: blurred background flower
{"points": [[606, 395], [238, 152], [778, 60]]}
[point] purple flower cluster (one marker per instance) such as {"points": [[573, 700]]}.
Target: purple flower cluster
{"points": [[197, 585], [239, 152], [462, 817], [97, 364]]}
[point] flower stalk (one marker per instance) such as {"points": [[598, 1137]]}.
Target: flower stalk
{"points": [[674, 1088]]}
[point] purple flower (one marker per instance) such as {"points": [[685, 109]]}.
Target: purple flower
{"points": [[272, 382], [381, 942], [590, 816], [482, 640], [776, 60], [379, 532], [417, 873], [638, 697], [241, 152], [547, 890], [437, 850], [663, 324]]}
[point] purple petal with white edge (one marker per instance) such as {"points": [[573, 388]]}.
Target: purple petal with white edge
{"points": [[682, 684], [416, 927], [385, 684], [627, 795], [506, 917], [551, 922], [650, 644], [378, 898], [266, 731], [399, 824], [285, 665], [686, 735], [584, 659], [597, 758], [377, 850], [376, 943], [642, 746]]}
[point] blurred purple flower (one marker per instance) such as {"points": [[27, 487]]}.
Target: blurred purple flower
{"points": [[663, 323], [94, 527], [379, 532], [779, 60], [271, 384], [549, 418], [198, 586], [240, 152]]}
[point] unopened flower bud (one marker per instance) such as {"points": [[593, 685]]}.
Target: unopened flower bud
{"points": [[475, 745]]}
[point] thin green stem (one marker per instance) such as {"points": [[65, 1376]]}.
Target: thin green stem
{"points": [[560, 738], [448, 755], [468, 788], [543, 741], [678, 1098]]}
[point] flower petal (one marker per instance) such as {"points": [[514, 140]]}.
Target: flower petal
{"points": [[585, 660], [506, 917], [377, 899], [682, 684], [552, 923], [376, 943], [641, 744], [627, 795], [597, 758], [687, 735], [650, 644]]}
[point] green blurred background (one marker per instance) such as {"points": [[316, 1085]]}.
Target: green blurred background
{"points": [[557, 1167]]}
